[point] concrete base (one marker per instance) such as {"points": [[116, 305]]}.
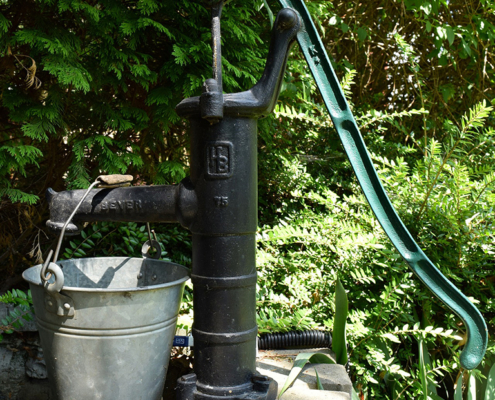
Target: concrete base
{"points": [[277, 365]]}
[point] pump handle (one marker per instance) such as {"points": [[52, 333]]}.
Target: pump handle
{"points": [[336, 103]]}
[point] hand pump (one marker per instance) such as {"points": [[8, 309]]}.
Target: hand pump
{"points": [[218, 204]]}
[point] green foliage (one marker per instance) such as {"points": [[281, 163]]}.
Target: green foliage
{"points": [[316, 224], [269, 320], [339, 342], [22, 311], [107, 239], [91, 87]]}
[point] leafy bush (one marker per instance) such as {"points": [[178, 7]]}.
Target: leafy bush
{"points": [[22, 311], [107, 239], [322, 226], [103, 80]]}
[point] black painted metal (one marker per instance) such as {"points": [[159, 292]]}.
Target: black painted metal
{"points": [[218, 203], [132, 204], [224, 175], [294, 340]]}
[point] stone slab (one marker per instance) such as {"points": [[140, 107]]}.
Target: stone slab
{"points": [[12, 370], [35, 390], [334, 379], [22, 365], [313, 394]]}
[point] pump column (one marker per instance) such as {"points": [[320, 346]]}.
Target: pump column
{"points": [[224, 175]]}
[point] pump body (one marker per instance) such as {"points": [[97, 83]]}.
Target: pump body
{"points": [[218, 203]]}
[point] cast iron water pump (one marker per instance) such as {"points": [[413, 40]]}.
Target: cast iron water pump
{"points": [[218, 204]]}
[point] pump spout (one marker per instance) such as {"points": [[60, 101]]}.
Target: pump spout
{"points": [[163, 203]]}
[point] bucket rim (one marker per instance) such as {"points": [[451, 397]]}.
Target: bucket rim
{"points": [[113, 290]]}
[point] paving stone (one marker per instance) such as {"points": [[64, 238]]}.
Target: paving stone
{"points": [[332, 377], [12, 371], [312, 394], [35, 390], [278, 363], [16, 351], [36, 366]]}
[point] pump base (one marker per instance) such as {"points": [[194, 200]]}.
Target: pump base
{"points": [[261, 387]]}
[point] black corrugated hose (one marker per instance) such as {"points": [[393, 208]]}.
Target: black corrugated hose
{"points": [[294, 340]]}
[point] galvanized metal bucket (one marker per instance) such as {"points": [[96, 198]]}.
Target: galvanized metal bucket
{"points": [[107, 325]]}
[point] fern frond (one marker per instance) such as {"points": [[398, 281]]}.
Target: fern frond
{"points": [[475, 117], [347, 82], [18, 196]]}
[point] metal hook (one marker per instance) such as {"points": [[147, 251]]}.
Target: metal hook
{"points": [[151, 243]]}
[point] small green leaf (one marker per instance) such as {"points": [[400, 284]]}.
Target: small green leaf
{"points": [[270, 13], [422, 370], [426, 7], [318, 381], [391, 337], [490, 384], [466, 48], [339, 344], [471, 389], [450, 35], [458, 389], [362, 33], [27, 317]]}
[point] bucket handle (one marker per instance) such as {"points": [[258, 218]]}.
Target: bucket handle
{"points": [[106, 181], [151, 243]]}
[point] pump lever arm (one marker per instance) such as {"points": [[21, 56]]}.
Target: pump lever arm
{"points": [[260, 100], [346, 127]]}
